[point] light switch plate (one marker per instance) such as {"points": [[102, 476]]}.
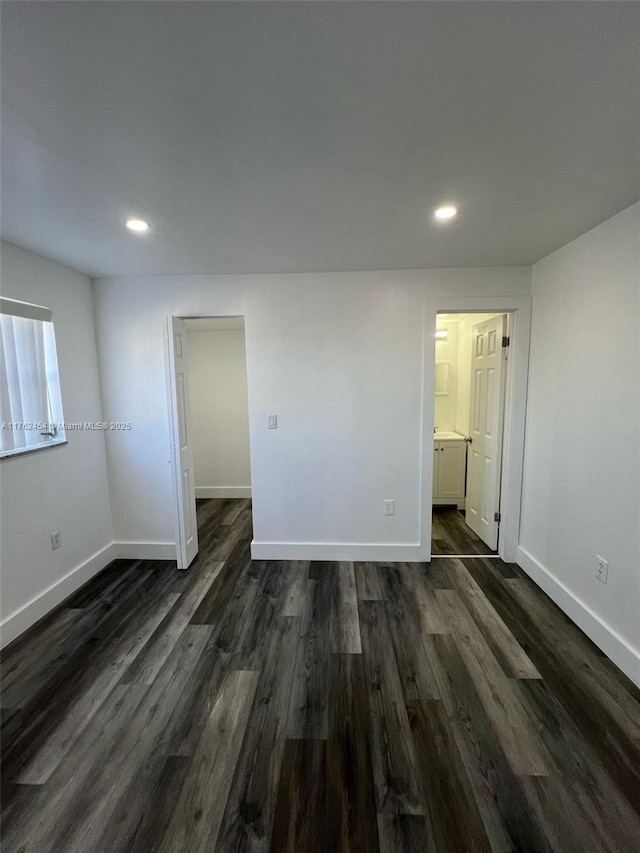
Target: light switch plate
{"points": [[602, 569], [272, 422]]}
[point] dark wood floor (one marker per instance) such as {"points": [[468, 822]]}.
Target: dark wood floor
{"points": [[302, 707], [451, 535]]}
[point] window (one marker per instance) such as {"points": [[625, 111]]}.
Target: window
{"points": [[30, 402]]}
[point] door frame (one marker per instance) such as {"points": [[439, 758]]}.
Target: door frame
{"points": [[519, 310], [172, 415]]}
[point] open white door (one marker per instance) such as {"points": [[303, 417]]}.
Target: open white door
{"points": [[488, 360], [182, 456]]}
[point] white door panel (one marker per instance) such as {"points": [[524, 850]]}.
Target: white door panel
{"points": [[487, 409], [181, 436]]}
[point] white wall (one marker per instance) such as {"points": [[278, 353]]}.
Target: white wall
{"points": [[582, 466], [62, 488], [338, 357], [219, 413], [447, 351]]}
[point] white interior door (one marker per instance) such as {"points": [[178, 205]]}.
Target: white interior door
{"points": [[488, 359], [182, 446]]}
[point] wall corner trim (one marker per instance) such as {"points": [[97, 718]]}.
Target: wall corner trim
{"points": [[612, 644]]}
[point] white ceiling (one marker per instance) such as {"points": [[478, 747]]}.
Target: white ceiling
{"points": [[284, 137]]}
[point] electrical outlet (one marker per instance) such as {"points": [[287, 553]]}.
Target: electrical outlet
{"points": [[56, 539], [389, 507], [602, 569]]}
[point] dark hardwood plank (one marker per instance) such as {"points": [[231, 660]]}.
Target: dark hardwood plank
{"points": [[86, 797], [345, 626], [307, 716], [85, 665], [404, 833], [149, 662], [506, 649], [265, 602], [319, 569], [300, 822], [206, 709], [580, 794], [296, 588], [29, 668], [91, 696], [436, 575], [215, 603], [198, 697], [52, 811], [197, 814], [408, 636], [450, 534], [453, 819], [408, 592], [615, 699], [394, 759], [248, 819], [508, 821], [560, 663], [159, 801], [236, 510], [351, 799], [514, 728], [368, 582]]}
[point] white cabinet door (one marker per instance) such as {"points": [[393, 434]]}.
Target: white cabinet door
{"points": [[436, 455], [451, 465], [487, 409]]}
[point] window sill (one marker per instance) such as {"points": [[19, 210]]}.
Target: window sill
{"points": [[22, 451]]}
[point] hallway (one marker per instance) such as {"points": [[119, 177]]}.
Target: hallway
{"points": [[450, 535], [294, 706]]}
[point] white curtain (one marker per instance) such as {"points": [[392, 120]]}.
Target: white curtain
{"points": [[27, 348]]}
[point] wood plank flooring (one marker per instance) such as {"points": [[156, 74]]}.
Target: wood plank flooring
{"points": [[294, 706], [450, 534]]}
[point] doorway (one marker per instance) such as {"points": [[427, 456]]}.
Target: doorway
{"points": [[208, 405], [518, 309], [471, 362]]}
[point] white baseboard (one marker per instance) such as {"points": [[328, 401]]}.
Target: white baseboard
{"points": [[612, 644], [145, 550], [333, 551], [27, 615], [223, 492]]}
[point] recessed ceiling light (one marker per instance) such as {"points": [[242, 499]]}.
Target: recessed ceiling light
{"points": [[447, 211], [137, 225], [441, 334]]}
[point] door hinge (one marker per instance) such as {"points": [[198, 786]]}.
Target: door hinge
{"points": [[506, 340], [496, 517]]}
